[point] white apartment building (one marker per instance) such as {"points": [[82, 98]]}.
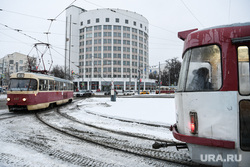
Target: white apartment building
{"points": [[107, 46], [12, 63]]}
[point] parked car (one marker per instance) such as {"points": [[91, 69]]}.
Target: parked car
{"points": [[109, 92], [128, 92], [90, 91], [144, 92], [83, 93]]}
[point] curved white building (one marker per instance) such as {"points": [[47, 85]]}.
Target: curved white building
{"points": [[107, 45]]}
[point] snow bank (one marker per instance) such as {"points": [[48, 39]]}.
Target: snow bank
{"points": [[158, 110]]}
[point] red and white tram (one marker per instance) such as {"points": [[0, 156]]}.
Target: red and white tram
{"points": [[213, 95], [165, 89], [34, 91]]}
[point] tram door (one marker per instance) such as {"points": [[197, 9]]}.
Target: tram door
{"points": [[244, 98]]}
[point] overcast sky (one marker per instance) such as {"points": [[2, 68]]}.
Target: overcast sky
{"points": [[166, 18]]}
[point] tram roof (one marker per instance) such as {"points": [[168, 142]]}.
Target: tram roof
{"points": [[228, 25], [183, 34], [219, 35], [45, 76]]}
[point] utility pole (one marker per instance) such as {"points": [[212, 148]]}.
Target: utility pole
{"points": [[169, 77], [139, 79], [65, 63], [129, 78], [69, 43], [159, 78]]}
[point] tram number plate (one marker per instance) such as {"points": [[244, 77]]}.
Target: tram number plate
{"points": [[16, 98]]}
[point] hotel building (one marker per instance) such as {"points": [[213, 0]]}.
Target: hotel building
{"points": [[106, 46]]}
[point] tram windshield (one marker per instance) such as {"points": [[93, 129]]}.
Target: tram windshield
{"points": [[201, 69], [23, 84]]}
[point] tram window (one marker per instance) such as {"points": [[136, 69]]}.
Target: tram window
{"points": [[243, 70], [51, 85], [68, 86], [64, 86], [32, 85], [23, 84], [43, 85], [201, 69], [61, 85], [184, 67], [245, 125], [57, 85]]}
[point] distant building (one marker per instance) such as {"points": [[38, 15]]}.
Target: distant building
{"points": [[105, 46], [12, 63]]}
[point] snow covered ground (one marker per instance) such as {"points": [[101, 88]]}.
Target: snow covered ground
{"points": [[17, 140], [3, 96], [153, 110]]}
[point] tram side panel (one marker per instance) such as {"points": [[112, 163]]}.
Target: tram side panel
{"points": [[216, 119], [37, 100]]}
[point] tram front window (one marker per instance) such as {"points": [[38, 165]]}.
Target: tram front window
{"points": [[201, 69], [23, 85]]}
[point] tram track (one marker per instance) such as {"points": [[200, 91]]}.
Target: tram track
{"points": [[40, 143], [8, 116], [119, 141], [137, 135]]}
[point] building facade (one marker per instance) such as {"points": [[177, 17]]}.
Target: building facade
{"points": [[106, 46], [12, 63]]}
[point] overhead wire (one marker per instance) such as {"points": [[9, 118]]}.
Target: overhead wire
{"points": [[29, 36], [27, 15], [50, 25], [56, 19], [14, 39], [20, 31], [191, 13], [114, 10]]}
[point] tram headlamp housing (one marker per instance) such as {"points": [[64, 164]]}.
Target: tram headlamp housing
{"points": [[8, 99], [24, 99], [193, 122]]}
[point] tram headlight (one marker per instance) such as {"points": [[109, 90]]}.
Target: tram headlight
{"points": [[24, 99], [8, 99]]}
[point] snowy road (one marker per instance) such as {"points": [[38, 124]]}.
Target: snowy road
{"points": [[25, 141]]}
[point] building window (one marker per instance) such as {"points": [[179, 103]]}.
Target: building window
{"points": [[88, 29], [126, 21], [11, 62], [117, 20], [141, 25], [117, 27], [107, 19], [97, 20], [81, 23], [134, 23], [98, 27], [88, 21], [107, 27]]}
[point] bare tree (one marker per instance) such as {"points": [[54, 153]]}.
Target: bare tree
{"points": [[58, 71], [171, 72]]}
